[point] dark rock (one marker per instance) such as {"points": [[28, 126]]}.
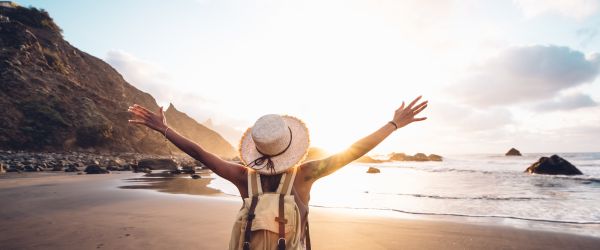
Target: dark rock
{"points": [[416, 157], [113, 168], [420, 157], [126, 167], [373, 170], [95, 169], [398, 157], [154, 164], [195, 176], [30, 168], [71, 168], [553, 165], [13, 169], [57, 168], [434, 157], [176, 171], [513, 152], [116, 162], [188, 170]]}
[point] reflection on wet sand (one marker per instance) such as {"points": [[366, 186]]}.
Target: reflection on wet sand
{"points": [[174, 183]]}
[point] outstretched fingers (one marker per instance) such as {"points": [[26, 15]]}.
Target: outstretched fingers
{"points": [[413, 102], [419, 119], [419, 105], [142, 109], [139, 113], [402, 106], [419, 108], [138, 122]]}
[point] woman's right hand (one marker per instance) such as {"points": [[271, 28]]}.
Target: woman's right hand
{"points": [[146, 117]]}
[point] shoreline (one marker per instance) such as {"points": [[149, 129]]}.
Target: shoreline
{"points": [[90, 211], [168, 185]]}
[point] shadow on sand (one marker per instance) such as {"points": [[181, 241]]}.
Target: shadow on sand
{"points": [[174, 183]]}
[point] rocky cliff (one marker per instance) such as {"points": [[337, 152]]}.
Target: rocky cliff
{"points": [[56, 97]]}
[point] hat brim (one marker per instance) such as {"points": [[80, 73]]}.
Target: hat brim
{"points": [[293, 156]]}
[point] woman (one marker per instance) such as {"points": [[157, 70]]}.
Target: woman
{"points": [[271, 152]]}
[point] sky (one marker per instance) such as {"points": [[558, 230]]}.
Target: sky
{"points": [[497, 74]]}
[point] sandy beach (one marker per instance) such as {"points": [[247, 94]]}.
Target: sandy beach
{"points": [[92, 212]]}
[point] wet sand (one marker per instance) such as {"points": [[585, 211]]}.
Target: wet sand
{"points": [[92, 212]]}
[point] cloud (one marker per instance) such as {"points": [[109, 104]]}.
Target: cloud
{"points": [[468, 119], [525, 74], [587, 35], [577, 9], [569, 102]]}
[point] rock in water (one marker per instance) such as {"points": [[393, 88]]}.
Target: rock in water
{"points": [[554, 165], [420, 157], [513, 152], [154, 164], [434, 157], [373, 170], [95, 169], [398, 157]]}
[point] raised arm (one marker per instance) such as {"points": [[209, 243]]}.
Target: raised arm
{"points": [[157, 121], [313, 170]]}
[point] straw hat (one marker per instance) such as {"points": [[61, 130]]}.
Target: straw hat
{"points": [[274, 144]]}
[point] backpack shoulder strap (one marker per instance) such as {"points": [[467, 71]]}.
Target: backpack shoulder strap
{"points": [[249, 219], [258, 183], [281, 182], [253, 183], [288, 182]]}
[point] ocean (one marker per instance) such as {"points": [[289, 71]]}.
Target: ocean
{"points": [[479, 188]]}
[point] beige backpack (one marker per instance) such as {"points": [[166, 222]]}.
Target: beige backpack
{"points": [[268, 220]]}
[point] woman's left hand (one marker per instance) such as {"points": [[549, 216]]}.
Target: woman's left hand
{"points": [[406, 115], [148, 118]]}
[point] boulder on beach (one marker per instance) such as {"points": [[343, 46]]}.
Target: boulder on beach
{"points": [[416, 157], [554, 165], [95, 169], [420, 157], [373, 170], [71, 168], [113, 168], [398, 157], [513, 152], [154, 164], [31, 168], [126, 167], [188, 170], [434, 157], [14, 168]]}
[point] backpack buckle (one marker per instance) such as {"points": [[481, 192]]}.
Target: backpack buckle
{"points": [[281, 243]]}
